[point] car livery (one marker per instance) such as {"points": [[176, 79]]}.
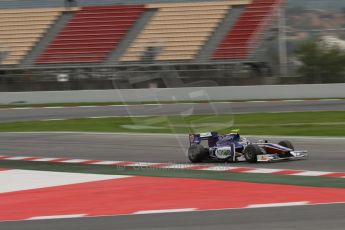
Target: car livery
{"points": [[232, 147]]}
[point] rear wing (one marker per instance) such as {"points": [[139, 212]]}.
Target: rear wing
{"points": [[211, 137]]}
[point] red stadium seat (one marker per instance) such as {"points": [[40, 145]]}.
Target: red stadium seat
{"points": [[91, 34], [239, 40]]}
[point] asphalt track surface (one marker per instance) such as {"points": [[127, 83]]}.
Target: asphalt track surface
{"points": [[326, 155], [284, 218], [8, 115]]}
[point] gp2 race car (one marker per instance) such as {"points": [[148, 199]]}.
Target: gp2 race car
{"points": [[232, 147]]}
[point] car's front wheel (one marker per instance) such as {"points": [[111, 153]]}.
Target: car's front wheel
{"points": [[251, 152]]}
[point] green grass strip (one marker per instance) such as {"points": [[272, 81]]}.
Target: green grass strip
{"points": [[177, 173], [289, 123]]}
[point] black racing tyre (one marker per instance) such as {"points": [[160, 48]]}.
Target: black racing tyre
{"points": [[286, 144], [197, 153], [250, 153]]}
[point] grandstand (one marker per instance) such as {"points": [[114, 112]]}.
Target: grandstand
{"points": [[91, 34], [179, 33], [21, 29], [244, 35], [179, 29]]}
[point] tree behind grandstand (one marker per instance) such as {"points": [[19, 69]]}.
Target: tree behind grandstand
{"points": [[320, 64]]}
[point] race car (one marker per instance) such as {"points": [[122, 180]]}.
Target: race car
{"points": [[232, 147]]}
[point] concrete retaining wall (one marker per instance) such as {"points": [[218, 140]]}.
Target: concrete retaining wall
{"points": [[262, 92]]}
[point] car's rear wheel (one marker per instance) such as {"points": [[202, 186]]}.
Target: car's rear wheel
{"points": [[251, 152], [286, 144], [197, 153]]}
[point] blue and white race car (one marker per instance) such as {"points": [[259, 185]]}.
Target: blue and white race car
{"points": [[232, 147]]}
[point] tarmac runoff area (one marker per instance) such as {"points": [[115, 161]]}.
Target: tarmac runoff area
{"points": [[30, 195]]}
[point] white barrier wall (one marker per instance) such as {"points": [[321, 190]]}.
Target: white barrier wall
{"points": [[262, 92]]}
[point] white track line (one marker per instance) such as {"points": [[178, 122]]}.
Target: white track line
{"points": [[74, 161], [142, 164], [312, 173], [23, 108], [88, 106], [106, 162], [219, 168], [165, 211], [257, 101], [46, 159], [291, 100], [55, 119], [178, 166], [263, 170], [17, 158], [56, 217], [270, 205], [223, 102]]}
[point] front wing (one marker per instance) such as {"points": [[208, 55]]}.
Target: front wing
{"points": [[295, 155]]}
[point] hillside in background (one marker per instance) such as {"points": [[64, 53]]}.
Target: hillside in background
{"points": [[317, 4], [314, 18]]}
